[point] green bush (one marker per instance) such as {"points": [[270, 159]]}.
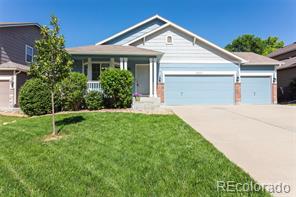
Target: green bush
{"points": [[72, 90], [34, 98], [94, 100], [117, 87]]}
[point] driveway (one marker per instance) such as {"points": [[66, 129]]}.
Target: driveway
{"points": [[259, 139]]}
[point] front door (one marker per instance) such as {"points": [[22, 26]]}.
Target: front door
{"points": [[142, 79]]}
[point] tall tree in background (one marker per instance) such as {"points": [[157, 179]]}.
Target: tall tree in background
{"points": [[52, 63], [251, 43]]}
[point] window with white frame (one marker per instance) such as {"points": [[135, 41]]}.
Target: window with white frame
{"points": [[169, 40], [29, 54]]}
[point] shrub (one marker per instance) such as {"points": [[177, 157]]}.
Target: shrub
{"points": [[94, 100], [117, 87], [35, 98], [72, 90]]}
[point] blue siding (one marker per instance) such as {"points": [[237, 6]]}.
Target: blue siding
{"points": [[137, 32], [197, 67], [186, 90], [256, 90], [259, 68]]}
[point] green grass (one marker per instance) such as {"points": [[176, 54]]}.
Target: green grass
{"points": [[6, 119], [112, 154]]}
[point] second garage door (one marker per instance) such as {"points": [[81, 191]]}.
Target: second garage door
{"points": [[198, 89], [256, 90]]}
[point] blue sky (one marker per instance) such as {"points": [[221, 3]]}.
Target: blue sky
{"points": [[220, 21]]}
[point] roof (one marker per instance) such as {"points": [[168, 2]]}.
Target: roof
{"points": [[289, 63], [286, 49], [169, 23], [14, 66], [17, 24], [111, 50], [255, 59]]}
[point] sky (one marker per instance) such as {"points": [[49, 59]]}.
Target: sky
{"points": [[86, 22]]}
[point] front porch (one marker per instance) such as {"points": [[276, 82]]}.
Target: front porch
{"points": [[144, 70], [143, 63]]}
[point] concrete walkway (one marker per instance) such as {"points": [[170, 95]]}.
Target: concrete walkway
{"points": [[259, 139]]}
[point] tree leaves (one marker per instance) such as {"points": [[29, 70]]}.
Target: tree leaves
{"points": [[252, 43]]}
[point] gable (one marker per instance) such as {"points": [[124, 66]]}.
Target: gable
{"points": [[136, 32], [184, 49]]}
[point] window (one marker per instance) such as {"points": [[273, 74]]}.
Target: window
{"points": [[169, 40], [97, 69], [29, 54]]}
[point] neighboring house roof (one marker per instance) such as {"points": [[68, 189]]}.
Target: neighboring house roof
{"points": [[255, 59], [14, 66], [111, 50], [16, 24], [289, 63], [286, 49], [169, 23]]}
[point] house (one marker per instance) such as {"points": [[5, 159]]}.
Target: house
{"points": [[179, 67], [286, 72], [17, 42]]}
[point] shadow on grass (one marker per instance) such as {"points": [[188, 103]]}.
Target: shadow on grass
{"points": [[67, 121]]}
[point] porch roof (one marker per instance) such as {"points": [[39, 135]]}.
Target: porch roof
{"points": [[14, 66], [112, 50]]}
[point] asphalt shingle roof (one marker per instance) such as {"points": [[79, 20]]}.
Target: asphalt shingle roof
{"points": [[286, 49], [111, 50], [255, 59], [14, 24], [14, 66]]}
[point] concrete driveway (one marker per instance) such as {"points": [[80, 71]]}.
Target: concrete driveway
{"points": [[259, 139]]}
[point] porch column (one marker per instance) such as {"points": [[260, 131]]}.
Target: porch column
{"points": [[121, 63], [150, 76], [112, 62], [125, 63], [89, 69], [155, 77]]}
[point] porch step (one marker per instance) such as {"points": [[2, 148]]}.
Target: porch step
{"points": [[146, 103]]}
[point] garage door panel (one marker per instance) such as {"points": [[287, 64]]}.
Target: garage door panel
{"points": [[256, 90], [182, 90]]}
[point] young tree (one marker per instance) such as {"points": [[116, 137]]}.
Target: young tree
{"points": [[251, 43], [52, 63]]}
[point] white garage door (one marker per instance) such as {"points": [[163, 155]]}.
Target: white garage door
{"points": [[199, 89]]}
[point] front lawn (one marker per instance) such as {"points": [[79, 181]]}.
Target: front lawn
{"points": [[8, 119], [112, 154]]}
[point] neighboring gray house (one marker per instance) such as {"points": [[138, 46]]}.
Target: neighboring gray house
{"points": [[180, 67], [17, 42], [287, 72]]}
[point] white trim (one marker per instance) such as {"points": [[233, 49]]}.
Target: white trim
{"points": [[150, 76], [130, 28], [14, 87], [125, 63], [5, 78], [154, 76], [250, 74], [232, 73], [121, 63], [222, 61], [169, 23], [26, 52]]}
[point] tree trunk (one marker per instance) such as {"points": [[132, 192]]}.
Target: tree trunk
{"points": [[52, 114]]}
